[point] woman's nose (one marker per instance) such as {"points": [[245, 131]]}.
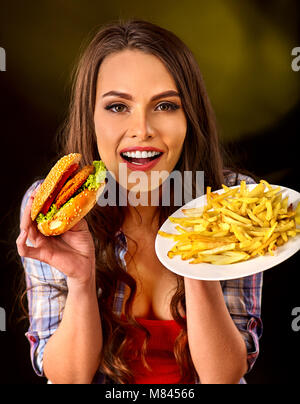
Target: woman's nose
{"points": [[140, 126]]}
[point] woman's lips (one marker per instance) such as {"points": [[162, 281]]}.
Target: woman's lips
{"points": [[142, 164]]}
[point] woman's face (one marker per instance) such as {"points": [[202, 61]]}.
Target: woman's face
{"points": [[139, 119]]}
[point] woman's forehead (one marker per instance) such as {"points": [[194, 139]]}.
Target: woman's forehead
{"points": [[133, 69]]}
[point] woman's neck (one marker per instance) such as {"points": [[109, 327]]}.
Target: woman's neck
{"points": [[142, 217]]}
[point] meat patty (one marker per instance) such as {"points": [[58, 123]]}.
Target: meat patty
{"points": [[73, 185]]}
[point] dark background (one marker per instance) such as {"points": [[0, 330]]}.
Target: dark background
{"points": [[244, 52]]}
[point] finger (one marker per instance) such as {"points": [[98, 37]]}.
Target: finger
{"points": [[28, 225], [27, 251], [26, 221], [35, 190], [21, 243], [33, 234]]}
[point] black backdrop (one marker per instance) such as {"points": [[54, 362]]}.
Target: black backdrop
{"points": [[27, 151]]}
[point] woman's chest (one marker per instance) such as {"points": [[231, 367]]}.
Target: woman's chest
{"points": [[155, 284]]}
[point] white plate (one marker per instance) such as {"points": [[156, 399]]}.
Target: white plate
{"points": [[212, 272]]}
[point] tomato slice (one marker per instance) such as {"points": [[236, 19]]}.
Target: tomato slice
{"points": [[58, 187]]}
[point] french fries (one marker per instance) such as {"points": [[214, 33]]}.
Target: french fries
{"points": [[234, 226]]}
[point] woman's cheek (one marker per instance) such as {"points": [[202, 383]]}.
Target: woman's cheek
{"points": [[175, 145], [106, 149], [175, 130]]}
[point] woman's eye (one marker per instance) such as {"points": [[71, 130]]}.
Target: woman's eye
{"points": [[115, 108], [163, 107], [167, 106]]}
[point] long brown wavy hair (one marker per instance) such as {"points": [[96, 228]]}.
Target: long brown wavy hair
{"points": [[201, 152]]}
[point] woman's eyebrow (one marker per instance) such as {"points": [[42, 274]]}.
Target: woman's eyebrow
{"points": [[165, 94]]}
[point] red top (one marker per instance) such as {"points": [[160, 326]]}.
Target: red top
{"points": [[159, 355]]}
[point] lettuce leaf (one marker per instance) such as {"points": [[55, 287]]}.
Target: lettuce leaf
{"points": [[95, 180], [41, 218]]}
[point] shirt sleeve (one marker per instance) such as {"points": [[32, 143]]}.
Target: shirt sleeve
{"points": [[233, 178], [46, 300], [243, 300]]}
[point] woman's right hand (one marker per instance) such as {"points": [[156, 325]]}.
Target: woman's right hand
{"points": [[72, 253]]}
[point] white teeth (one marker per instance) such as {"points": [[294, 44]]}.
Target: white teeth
{"points": [[141, 155]]}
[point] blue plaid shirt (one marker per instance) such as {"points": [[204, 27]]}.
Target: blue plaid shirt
{"points": [[242, 297]]}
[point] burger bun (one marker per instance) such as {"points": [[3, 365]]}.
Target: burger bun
{"points": [[71, 213]]}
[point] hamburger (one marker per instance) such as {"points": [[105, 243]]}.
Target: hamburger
{"points": [[67, 194]]}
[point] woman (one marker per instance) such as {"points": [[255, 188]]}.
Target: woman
{"points": [[102, 307]]}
